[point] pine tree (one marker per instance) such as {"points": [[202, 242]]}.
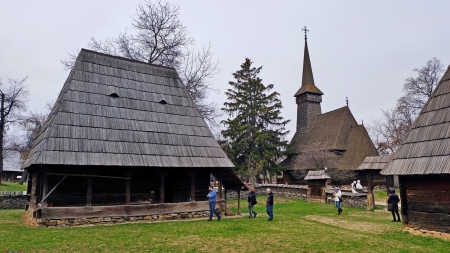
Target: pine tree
{"points": [[254, 130]]}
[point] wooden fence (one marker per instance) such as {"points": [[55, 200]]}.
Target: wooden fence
{"points": [[13, 193]]}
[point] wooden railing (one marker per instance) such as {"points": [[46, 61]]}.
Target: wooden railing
{"points": [[12, 193]]}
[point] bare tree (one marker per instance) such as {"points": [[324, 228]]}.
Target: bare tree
{"points": [[317, 157], [388, 133], [159, 37], [12, 104], [418, 89]]}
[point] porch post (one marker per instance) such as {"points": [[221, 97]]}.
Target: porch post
{"points": [[220, 184], [162, 177], [89, 191], [370, 197], [44, 187], [192, 174], [239, 201], [128, 192]]}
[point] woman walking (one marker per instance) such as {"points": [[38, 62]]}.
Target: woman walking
{"points": [[337, 198], [251, 202], [393, 200]]}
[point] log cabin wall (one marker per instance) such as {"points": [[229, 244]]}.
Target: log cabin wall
{"points": [[425, 201]]}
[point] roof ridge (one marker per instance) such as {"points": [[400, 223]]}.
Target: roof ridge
{"points": [[123, 58]]}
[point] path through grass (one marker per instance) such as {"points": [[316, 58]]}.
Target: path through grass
{"points": [[299, 226]]}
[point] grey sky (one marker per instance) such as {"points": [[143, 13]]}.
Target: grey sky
{"points": [[360, 49]]}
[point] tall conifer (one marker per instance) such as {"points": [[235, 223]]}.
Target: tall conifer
{"points": [[255, 131]]}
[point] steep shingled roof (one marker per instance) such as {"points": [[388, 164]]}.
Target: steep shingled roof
{"points": [[114, 111], [426, 149], [335, 131], [307, 77]]}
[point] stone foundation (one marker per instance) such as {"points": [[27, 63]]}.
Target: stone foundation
{"points": [[290, 191], [120, 219], [13, 202]]}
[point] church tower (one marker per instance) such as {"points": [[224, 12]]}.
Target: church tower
{"points": [[308, 97]]}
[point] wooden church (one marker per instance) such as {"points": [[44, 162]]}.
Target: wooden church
{"points": [[422, 164], [124, 138], [336, 131]]}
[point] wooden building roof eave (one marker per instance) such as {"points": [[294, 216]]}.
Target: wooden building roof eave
{"points": [[424, 150]]}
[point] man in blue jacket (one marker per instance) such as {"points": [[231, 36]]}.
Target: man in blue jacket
{"points": [[212, 196]]}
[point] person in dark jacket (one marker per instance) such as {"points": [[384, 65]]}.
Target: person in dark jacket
{"points": [[393, 200], [212, 196], [269, 204], [251, 202]]}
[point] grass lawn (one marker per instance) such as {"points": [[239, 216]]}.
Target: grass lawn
{"points": [[5, 186], [380, 195], [298, 226]]}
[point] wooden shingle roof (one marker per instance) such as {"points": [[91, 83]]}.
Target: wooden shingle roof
{"points": [[426, 149], [114, 111], [375, 162], [334, 131], [316, 174]]}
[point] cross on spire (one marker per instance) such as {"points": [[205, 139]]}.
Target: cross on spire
{"points": [[305, 30]]}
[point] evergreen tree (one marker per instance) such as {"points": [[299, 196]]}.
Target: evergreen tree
{"points": [[254, 129]]}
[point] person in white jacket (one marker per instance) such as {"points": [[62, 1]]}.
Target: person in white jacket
{"points": [[337, 195]]}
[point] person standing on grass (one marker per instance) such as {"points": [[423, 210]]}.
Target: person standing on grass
{"points": [[393, 200], [212, 196], [337, 198], [251, 202], [269, 204]]}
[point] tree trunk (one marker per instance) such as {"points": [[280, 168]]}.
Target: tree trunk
{"points": [[2, 128]]}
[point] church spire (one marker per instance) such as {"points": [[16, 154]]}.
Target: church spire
{"points": [[308, 77], [308, 97], [308, 84]]}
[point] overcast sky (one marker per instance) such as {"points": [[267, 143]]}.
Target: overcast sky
{"points": [[360, 49]]}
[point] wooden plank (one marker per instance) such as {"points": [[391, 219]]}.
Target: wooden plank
{"points": [[85, 175], [429, 207], [424, 217], [427, 195], [124, 210], [127, 192]]}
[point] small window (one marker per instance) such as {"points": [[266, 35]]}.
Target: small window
{"points": [[163, 102], [114, 95]]}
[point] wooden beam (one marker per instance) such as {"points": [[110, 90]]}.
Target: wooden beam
{"points": [[370, 196], [162, 177], [85, 175], [124, 210], [239, 201], [219, 179], [128, 192], [46, 183], [44, 188], [192, 174], [89, 192]]}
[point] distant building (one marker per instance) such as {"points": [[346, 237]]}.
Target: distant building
{"points": [[123, 133], [422, 163], [336, 131]]}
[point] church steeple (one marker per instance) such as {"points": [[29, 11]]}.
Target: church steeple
{"points": [[308, 97], [308, 84]]}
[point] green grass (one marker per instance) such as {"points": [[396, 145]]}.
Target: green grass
{"points": [[298, 226], [5, 186]]}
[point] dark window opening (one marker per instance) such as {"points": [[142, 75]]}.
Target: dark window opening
{"points": [[114, 95], [163, 102]]}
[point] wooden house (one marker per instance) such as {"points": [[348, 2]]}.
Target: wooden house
{"points": [[336, 132], [423, 164], [124, 138], [317, 185]]}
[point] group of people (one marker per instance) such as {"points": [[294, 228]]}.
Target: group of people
{"points": [[212, 196], [392, 200], [356, 185]]}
